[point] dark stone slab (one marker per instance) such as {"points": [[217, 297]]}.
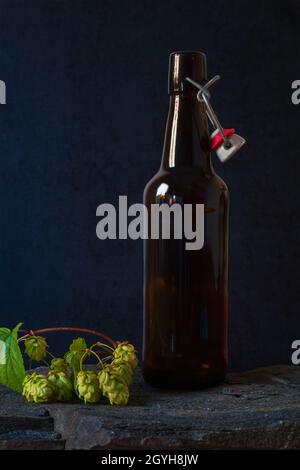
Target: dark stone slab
{"points": [[31, 440], [255, 409], [24, 425]]}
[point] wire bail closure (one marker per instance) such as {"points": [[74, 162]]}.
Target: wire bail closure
{"points": [[203, 96], [224, 141]]}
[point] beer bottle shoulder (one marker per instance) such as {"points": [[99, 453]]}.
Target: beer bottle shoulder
{"points": [[186, 184]]}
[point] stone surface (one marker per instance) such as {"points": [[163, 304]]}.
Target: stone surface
{"points": [[254, 409], [25, 426]]}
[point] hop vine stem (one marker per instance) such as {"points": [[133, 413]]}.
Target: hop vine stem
{"points": [[65, 328]]}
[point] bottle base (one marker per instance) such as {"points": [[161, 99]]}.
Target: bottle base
{"points": [[187, 380]]}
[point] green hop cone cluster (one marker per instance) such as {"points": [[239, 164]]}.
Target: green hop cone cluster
{"points": [[58, 364], [87, 386], [62, 385], [38, 389], [125, 361], [36, 347], [113, 386], [112, 382], [125, 353], [124, 371]]}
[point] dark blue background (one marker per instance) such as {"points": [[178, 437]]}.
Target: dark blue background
{"points": [[84, 122]]}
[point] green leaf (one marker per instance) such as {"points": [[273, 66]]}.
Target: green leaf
{"points": [[12, 371], [15, 331], [75, 353], [78, 345]]}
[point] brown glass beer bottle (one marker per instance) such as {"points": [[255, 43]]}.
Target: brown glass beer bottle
{"points": [[186, 291]]}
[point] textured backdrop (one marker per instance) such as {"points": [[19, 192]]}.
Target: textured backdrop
{"points": [[84, 122]]}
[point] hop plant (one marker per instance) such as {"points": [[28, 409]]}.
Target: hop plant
{"points": [[59, 365], [62, 384], [125, 352], [36, 347], [68, 376], [38, 389], [113, 386], [123, 370], [88, 386]]}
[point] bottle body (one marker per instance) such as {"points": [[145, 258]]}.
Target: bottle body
{"points": [[186, 291]]}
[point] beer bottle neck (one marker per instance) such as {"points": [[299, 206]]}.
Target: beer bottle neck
{"points": [[187, 136]]}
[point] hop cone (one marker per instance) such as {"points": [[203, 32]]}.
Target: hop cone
{"points": [[113, 386], [125, 352], [123, 370], [88, 386], [36, 347], [38, 389], [62, 384], [59, 365]]}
